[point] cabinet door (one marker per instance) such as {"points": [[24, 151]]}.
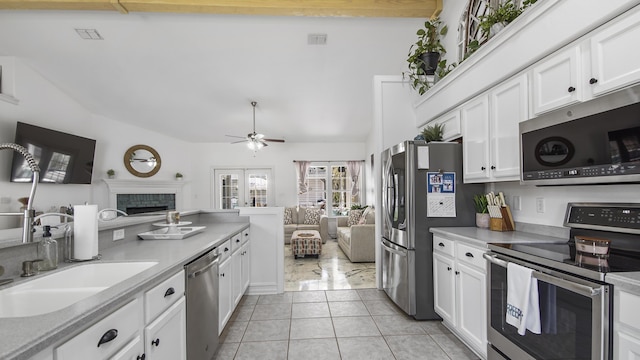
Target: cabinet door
{"points": [[614, 55], [224, 294], [475, 145], [246, 266], [165, 338], [472, 310], [508, 103], [451, 123], [556, 81], [625, 346], [134, 350], [444, 297], [236, 276]]}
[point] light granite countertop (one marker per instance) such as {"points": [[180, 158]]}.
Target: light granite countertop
{"points": [[482, 237], [22, 338]]}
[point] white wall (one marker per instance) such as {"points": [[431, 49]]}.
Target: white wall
{"points": [[277, 156], [43, 104]]}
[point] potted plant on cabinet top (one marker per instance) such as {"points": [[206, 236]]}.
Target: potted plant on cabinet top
{"points": [[501, 16], [425, 54], [178, 176], [433, 132], [482, 213], [111, 173]]}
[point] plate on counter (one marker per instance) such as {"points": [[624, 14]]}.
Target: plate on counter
{"points": [[171, 233]]}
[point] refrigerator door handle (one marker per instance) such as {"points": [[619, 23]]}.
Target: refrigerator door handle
{"points": [[393, 251]]}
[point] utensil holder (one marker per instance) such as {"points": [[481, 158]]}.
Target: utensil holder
{"points": [[502, 220]]}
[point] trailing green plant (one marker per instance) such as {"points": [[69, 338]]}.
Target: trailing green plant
{"points": [[443, 69], [358, 207], [433, 132], [480, 203], [428, 41], [503, 14]]}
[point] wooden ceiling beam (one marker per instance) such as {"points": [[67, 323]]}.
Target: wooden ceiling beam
{"points": [[336, 8]]}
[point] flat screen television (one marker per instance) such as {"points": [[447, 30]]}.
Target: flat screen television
{"points": [[63, 158]]}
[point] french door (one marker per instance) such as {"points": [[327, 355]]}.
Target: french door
{"points": [[233, 188]]}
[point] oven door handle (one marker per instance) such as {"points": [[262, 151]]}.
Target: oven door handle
{"points": [[553, 280]]}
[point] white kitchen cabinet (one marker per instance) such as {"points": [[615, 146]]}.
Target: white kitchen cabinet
{"points": [[614, 54], [132, 351], [459, 273], [165, 337], [451, 123], [490, 127], [626, 329], [474, 117], [246, 261], [556, 80], [236, 275], [224, 294]]}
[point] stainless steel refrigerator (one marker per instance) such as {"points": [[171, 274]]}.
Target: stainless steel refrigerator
{"points": [[421, 188]]}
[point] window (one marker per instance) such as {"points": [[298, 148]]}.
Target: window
{"points": [[235, 188], [338, 196]]}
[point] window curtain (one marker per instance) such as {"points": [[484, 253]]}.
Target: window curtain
{"points": [[354, 170], [302, 167]]}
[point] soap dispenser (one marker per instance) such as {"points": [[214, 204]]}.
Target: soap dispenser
{"points": [[47, 250]]}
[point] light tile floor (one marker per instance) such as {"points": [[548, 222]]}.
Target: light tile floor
{"points": [[333, 324]]}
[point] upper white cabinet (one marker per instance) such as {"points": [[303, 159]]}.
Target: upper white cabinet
{"points": [[556, 81], [490, 132], [451, 123], [614, 55]]}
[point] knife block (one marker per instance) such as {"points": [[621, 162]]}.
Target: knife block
{"points": [[504, 223]]}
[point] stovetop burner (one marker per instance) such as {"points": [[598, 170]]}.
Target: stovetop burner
{"points": [[619, 223]]}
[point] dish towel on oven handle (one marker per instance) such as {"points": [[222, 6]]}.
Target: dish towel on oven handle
{"points": [[523, 309]]}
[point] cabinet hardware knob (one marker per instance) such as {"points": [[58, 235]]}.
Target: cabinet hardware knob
{"points": [[170, 291], [448, 268], [108, 336], [237, 240], [593, 81], [226, 249], [441, 244], [156, 342], [469, 254], [571, 89], [493, 167], [483, 168], [457, 272], [222, 274], [141, 357]]}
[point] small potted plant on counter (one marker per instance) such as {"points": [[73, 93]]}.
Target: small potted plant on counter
{"points": [[178, 176], [482, 213], [111, 173]]}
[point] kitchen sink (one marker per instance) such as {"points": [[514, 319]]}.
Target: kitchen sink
{"points": [[65, 287]]}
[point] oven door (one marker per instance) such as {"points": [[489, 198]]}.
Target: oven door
{"points": [[574, 312]]}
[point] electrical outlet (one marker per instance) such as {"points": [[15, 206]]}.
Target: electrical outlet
{"points": [[118, 234], [540, 205], [517, 205]]}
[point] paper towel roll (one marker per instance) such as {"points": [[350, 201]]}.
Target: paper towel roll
{"points": [[85, 231]]}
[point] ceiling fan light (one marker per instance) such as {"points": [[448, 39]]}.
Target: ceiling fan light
{"points": [[251, 145]]}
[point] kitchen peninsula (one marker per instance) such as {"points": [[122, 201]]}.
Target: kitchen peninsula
{"points": [[38, 336]]}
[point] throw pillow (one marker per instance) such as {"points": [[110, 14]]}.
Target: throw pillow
{"points": [[311, 216], [354, 217], [288, 216], [363, 218]]}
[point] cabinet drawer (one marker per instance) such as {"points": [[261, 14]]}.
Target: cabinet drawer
{"points": [[126, 322], [132, 351], [471, 256], [224, 250], [162, 296], [236, 242], [443, 246], [245, 236]]}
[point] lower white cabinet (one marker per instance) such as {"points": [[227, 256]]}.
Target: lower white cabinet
{"points": [[224, 294], [165, 337], [126, 334], [459, 273], [626, 330], [234, 272]]}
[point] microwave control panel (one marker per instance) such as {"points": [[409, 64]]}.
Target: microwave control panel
{"points": [[584, 172]]}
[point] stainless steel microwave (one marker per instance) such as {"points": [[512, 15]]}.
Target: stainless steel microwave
{"points": [[593, 142]]}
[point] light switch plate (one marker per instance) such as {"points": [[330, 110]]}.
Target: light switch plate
{"points": [[118, 234], [540, 205]]}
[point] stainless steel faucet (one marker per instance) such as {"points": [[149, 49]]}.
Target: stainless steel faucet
{"points": [[29, 213]]}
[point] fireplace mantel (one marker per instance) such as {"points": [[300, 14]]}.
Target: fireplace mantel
{"points": [[144, 187]]}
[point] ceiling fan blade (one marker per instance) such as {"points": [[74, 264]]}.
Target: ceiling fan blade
{"points": [[274, 140], [239, 137], [239, 141]]}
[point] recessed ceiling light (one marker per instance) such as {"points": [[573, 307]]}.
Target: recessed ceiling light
{"points": [[317, 39], [89, 34]]}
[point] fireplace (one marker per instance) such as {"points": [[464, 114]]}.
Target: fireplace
{"points": [[145, 196]]}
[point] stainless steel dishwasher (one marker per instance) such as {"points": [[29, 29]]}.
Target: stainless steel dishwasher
{"points": [[202, 306]]}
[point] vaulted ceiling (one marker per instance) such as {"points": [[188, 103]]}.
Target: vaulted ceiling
{"points": [[190, 69]]}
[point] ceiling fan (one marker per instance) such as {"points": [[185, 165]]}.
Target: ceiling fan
{"points": [[254, 140]]}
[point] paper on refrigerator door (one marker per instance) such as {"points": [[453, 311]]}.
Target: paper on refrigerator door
{"points": [[441, 194]]}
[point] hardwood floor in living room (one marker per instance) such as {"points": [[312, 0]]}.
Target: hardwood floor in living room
{"points": [[332, 270]]}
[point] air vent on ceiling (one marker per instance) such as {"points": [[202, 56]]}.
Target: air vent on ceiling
{"points": [[317, 39], [89, 34]]}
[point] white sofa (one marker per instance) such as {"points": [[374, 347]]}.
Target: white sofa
{"points": [[298, 222], [358, 240]]}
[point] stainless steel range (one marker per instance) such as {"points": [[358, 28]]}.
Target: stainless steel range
{"points": [[575, 300]]}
